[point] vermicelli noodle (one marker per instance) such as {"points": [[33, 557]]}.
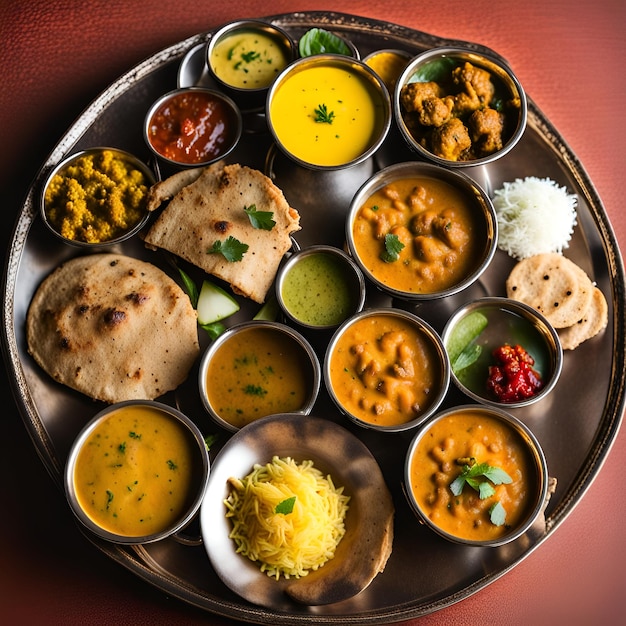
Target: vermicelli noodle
{"points": [[291, 543]]}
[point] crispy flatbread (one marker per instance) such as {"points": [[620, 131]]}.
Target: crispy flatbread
{"points": [[211, 209], [113, 327], [593, 321], [552, 284]]}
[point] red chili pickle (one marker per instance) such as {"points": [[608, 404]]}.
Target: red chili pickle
{"points": [[512, 378]]}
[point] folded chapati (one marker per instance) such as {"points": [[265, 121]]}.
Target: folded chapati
{"points": [[113, 327], [211, 209]]}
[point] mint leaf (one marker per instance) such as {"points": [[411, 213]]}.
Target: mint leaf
{"points": [[286, 506], [469, 356], [497, 514], [260, 219], [393, 247], [231, 249], [214, 329]]}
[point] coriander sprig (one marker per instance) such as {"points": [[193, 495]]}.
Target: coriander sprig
{"points": [[481, 477], [323, 115]]}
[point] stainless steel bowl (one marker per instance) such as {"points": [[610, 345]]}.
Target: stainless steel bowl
{"points": [[301, 118], [327, 292], [508, 322], [433, 345], [435, 65], [132, 230], [537, 486], [199, 474], [312, 373], [248, 99], [476, 198]]}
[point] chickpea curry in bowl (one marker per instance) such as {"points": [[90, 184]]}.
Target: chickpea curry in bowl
{"points": [[476, 476], [419, 231], [386, 369]]}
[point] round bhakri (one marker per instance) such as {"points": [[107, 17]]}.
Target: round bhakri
{"points": [[591, 323], [552, 284], [113, 327]]}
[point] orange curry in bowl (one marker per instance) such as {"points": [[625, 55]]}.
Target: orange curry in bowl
{"points": [[419, 235], [384, 370], [473, 476]]}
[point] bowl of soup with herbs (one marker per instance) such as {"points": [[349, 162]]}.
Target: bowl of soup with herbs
{"points": [[256, 369], [476, 475], [419, 231], [137, 472], [386, 369], [328, 111], [244, 57]]}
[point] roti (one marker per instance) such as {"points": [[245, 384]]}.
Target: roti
{"points": [[210, 211], [553, 285], [113, 327], [593, 322]]}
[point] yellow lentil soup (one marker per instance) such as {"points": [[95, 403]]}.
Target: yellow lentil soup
{"points": [[463, 443], [326, 114], [419, 235], [248, 59], [255, 372], [136, 474], [384, 370]]}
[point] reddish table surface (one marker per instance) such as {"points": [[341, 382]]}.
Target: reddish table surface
{"points": [[58, 55]]}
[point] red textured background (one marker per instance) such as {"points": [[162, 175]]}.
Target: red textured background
{"points": [[56, 56]]}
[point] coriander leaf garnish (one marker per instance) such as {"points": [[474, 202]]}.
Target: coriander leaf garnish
{"points": [[254, 390], [323, 115], [171, 465], [286, 506], [473, 475], [231, 249], [260, 219], [210, 440], [482, 477], [497, 514], [393, 247], [250, 56]]}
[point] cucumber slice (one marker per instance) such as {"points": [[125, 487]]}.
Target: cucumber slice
{"points": [[214, 304], [269, 310], [465, 332]]}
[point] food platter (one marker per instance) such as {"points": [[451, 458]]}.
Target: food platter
{"points": [[576, 425]]}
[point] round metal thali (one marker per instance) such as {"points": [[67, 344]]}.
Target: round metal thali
{"points": [[575, 425]]}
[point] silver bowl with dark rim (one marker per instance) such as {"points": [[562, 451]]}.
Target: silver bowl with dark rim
{"points": [[319, 287], [481, 436], [435, 255], [386, 370], [192, 127], [243, 377], [439, 131], [122, 493], [108, 174], [497, 322], [245, 68]]}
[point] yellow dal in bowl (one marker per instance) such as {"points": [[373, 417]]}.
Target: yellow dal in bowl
{"points": [[134, 475], [354, 115]]}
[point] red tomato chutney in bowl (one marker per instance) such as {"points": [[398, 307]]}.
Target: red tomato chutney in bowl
{"points": [[193, 126], [476, 475]]}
